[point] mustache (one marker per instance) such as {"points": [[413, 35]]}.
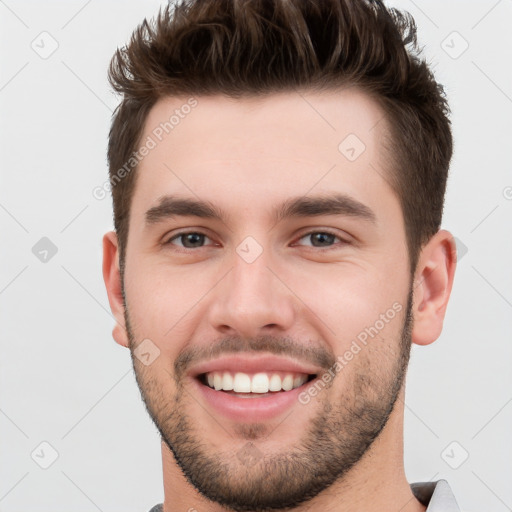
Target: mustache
{"points": [[315, 354]]}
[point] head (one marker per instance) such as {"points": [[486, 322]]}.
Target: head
{"points": [[243, 133]]}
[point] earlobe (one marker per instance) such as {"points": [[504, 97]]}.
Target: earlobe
{"points": [[112, 278], [432, 287]]}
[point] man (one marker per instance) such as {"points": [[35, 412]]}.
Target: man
{"points": [[278, 171]]}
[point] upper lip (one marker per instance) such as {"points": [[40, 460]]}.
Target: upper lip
{"points": [[245, 364]]}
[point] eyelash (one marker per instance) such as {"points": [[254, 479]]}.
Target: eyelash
{"points": [[323, 232]]}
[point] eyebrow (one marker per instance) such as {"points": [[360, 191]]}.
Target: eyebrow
{"points": [[297, 207]]}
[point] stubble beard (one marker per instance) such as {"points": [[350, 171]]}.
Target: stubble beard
{"points": [[247, 478]]}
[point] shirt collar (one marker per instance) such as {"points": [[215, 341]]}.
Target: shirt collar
{"points": [[437, 495]]}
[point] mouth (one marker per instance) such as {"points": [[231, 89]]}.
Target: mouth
{"points": [[254, 385], [252, 389]]}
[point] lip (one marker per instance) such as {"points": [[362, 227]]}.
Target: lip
{"points": [[260, 408], [250, 409], [257, 364]]}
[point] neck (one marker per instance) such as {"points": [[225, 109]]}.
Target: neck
{"points": [[377, 482]]}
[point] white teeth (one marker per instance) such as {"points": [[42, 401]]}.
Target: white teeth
{"points": [[227, 382], [299, 380], [257, 383], [242, 383], [288, 383], [275, 383], [217, 381]]}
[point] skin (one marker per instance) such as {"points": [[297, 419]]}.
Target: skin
{"points": [[247, 156]]}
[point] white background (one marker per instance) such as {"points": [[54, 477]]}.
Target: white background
{"points": [[63, 380]]}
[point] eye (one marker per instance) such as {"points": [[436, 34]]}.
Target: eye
{"points": [[322, 239], [188, 239], [196, 239]]}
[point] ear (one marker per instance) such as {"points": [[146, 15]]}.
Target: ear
{"points": [[112, 278], [432, 286]]}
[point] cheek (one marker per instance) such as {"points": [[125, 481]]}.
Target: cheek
{"points": [[350, 298], [161, 304]]}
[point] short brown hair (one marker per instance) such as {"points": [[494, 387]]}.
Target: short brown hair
{"points": [[243, 48]]}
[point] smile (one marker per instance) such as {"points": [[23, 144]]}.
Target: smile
{"points": [[252, 389], [257, 383]]}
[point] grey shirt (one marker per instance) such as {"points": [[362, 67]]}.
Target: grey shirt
{"points": [[437, 495]]}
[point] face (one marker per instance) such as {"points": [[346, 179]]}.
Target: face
{"points": [[267, 291]]}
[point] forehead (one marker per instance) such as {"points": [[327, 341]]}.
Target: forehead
{"points": [[247, 152], [304, 121]]}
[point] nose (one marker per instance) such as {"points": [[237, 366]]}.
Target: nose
{"points": [[253, 299]]}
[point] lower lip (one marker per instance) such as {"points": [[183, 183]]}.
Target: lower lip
{"points": [[250, 409]]}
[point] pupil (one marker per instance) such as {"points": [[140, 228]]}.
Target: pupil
{"points": [[193, 238], [321, 237]]}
